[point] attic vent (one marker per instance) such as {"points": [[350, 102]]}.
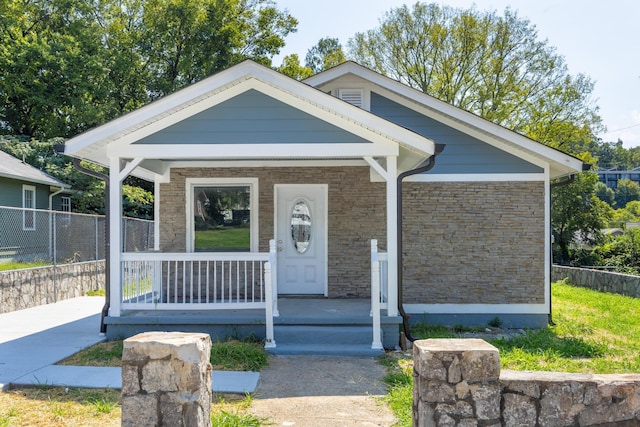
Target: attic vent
{"points": [[352, 96]]}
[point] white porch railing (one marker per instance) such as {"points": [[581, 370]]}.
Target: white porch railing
{"points": [[200, 281], [379, 291]]}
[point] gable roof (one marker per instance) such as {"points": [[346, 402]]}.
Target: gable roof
{"points": [[119, 136], [13, 168], [472, 124]]}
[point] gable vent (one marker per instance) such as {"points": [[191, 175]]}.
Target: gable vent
{"points": [[352, 96]]}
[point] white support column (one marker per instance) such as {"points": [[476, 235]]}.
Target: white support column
{"points": [[115, 233], [392, 234], [156, 214]]}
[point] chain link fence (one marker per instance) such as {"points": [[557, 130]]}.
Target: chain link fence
{"points": [[32, 235]]}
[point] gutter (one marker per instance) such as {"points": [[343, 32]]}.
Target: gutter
{"points": [[428, 165], [105, 308]]}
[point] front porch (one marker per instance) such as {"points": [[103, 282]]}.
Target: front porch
{"points": [[235, 295]]}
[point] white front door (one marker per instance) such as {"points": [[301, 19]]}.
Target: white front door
{"points": [[301, 238]]}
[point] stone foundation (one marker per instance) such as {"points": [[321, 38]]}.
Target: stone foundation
{"points": [[457, 382], [166, 380]]}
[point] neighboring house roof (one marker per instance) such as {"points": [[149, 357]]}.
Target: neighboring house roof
{"points": [[13, 168], [119, 135], [474, 125]]}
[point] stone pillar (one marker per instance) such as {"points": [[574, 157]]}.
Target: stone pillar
{"points": [[166, 380], [456, 382]]}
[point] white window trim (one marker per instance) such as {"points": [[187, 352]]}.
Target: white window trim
{"points": [[28, 209], [223, 182], [65, 204]]}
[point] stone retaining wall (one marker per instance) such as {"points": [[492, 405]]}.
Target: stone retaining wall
{"points": [[457, 382], [30, 287], [604, 281]]}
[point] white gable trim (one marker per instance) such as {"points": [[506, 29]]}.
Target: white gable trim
{"points": [[119, 134]]}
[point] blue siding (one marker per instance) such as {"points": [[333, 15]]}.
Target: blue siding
{"points": [[462, 154], [11, 193], [252, 118]]}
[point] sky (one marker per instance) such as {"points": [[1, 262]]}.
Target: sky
{"points": [[600, 39]]}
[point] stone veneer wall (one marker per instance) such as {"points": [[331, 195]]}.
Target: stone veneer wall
{"points": [[166, 380], [30, 287], [603, 281], [357, 212], [458, 382], [474, 242]]}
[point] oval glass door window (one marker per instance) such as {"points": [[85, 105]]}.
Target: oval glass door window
{"points": [[301, 226]]}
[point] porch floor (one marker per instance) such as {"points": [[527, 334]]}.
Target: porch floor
{"points": [[300, 312]]}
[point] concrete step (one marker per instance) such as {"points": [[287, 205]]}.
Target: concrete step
{"points": [[324, 340]]}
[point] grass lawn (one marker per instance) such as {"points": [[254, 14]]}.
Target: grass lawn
{"points": [[222, 239], [17, 265], [594, 333], [57, 406]]}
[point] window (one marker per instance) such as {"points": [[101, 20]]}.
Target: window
{"points": [[223, 215], [28, 205], [65, 206]]}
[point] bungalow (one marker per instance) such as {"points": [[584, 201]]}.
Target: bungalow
{"points": [[322, 211], [24, 190]]}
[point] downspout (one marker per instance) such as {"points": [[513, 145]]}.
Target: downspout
{"points": [[107, 279], [428, 165]]}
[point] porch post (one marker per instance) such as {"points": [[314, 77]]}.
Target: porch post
{"points": [[115, 233], [392, 236]]}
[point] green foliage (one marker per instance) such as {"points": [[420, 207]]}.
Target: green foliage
{"points": [[19, 265], [604, 193], [236, 355], [577, 212], [626, 191], [88, 192], [325, 54], [225, 418], [69, 65], [492, 65], [292, 68]]}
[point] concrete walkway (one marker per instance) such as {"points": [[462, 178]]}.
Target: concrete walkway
{"points": [[33, 340]]}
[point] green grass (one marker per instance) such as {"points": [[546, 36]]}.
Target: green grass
{"points": [[595, 333], [226, 238], [246, 355], [17, 265], [231, 355]]}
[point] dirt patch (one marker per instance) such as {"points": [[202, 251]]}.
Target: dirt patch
{"points": [[310, 391]]}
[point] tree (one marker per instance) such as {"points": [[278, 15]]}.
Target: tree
{"points": [[604, 193], [88, 195], [325, 54], [292, 68], [69, 65], [488, 64], [625, 192], [578, 212]]}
